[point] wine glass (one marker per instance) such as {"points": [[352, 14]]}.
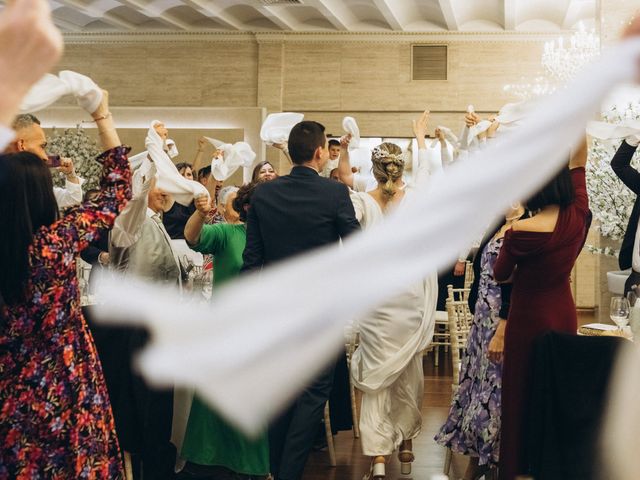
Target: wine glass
{"points": [[619, 311]]}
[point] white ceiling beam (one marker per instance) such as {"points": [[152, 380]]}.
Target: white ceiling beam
{"points": [[66, 25], [215, 13], [387, 12], [150, 11], [334, 12], [106, 17], [510, 14], [446, 6], [278, 18]]}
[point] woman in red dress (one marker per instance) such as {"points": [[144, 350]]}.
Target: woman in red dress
{"points": [[539, 253], [55, 415]]}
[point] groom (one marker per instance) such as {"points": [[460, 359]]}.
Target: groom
{"points": [[289, 216]]}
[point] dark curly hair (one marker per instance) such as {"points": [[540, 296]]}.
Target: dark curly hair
{"points": [[242, 201]]}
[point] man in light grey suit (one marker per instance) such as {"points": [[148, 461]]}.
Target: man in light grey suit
{"points": [[141, 246]]}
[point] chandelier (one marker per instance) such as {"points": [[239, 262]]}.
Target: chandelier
{"points": [[563, 61]]}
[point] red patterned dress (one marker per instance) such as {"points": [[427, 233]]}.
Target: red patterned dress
{"points": [[55, 415]]}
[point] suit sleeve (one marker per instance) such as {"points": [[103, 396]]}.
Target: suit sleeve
{"points": [[253, 255], [621, 165], [346, 216]]}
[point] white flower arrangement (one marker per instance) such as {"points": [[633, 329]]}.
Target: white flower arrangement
{"points": [[610, 200], [74, 143]]}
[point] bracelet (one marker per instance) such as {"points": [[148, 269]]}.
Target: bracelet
{"points": [[104, 117], [203, 216]]}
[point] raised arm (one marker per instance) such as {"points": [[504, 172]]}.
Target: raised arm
{"points": [[194, 225], [579, 155], [345, 174], [428, 163], [621, 165], [284, 148], [197, 161], [81, 225], [128, 225]]}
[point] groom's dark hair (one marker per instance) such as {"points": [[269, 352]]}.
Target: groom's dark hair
{"points": [[304, 139]]}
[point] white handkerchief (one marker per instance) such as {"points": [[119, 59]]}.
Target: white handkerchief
{"points": [[350, 126], [136, 160], [51, 88], [169, 179], [514, 112], [234, 156], [449, 135], [609, 131], [277, 126]]}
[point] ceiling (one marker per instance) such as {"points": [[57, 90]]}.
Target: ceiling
{"points": [[322, 15]]}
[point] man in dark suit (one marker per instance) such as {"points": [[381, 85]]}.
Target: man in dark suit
{"points": [[621, 165], [289, 216]]}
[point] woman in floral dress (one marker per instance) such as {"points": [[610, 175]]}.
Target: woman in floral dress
{"points": [[55, 415], [473, 425]]}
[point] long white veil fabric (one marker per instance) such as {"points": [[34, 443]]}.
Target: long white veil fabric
{"points": [[265, 336]]}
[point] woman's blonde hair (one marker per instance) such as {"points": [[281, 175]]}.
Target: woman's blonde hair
{"points": [[388, 166]]}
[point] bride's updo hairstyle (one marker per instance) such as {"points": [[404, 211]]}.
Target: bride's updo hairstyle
{"points": [[388, 166]]}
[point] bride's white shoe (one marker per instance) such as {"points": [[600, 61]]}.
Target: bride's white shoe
{"points": [[376, 472]]}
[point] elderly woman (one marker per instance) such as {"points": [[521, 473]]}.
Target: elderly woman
{"points": [[211, 445]]}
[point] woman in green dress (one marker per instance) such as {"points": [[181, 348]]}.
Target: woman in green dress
{"points": [[209, 440]]}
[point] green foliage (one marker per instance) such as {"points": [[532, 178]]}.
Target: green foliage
{"points": [[74, 143]]}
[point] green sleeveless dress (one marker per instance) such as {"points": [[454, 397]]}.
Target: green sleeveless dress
{"points": [[209, 439]]}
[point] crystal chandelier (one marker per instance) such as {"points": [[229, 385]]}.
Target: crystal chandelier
{"points": [[563, 61]]}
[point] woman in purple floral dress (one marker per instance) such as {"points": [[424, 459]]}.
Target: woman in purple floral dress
{"points": [[55, 415], [473, 425]]}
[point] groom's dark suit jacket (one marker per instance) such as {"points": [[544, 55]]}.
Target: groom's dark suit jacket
{"points": [[294, 214]]}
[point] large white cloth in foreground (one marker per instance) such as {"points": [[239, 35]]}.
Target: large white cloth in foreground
{"points": [[51, 88], [253, 340], [169, 179]]}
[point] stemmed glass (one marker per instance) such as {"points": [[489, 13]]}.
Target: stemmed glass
{"points": [[619, 311]]}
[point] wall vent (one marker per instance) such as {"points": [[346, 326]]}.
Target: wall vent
{"points": [[429, 62]]}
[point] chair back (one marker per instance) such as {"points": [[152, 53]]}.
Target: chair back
{"points": [[468, 274], [460, 319]]}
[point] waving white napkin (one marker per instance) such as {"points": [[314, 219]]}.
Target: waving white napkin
{"points": [[51, 88], [136, 160], [349, 125], [513, 112], [277, 126], [450, 136], [169, 179], [234, 157], [236, 347], [609, 131]]}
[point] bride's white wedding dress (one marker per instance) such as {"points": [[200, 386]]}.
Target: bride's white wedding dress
{"points": [[387, 366]]}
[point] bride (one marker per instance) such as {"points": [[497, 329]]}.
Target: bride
{"points": [[387, 366]]}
